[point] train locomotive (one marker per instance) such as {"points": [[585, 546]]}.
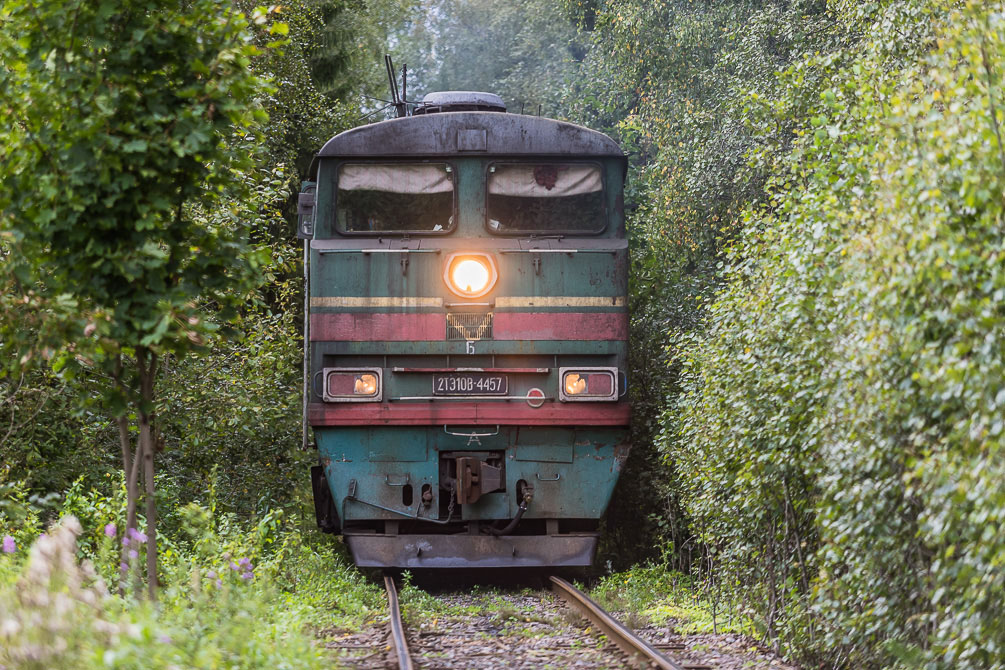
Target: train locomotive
{"points": [[467, 336]]}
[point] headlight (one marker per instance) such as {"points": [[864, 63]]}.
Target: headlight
{"points": [[470, 275], [366, 384], [575, 383], [584, 384], [352, 385]]}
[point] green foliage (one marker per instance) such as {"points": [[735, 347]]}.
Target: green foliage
{"points": [[320, 64], [670, 80], [56, 609], [348, 42], [124, 202], [841, 430], [524, 51], [40, 418], [239, 403], [653, 594], [125, 131], [233, 418]]}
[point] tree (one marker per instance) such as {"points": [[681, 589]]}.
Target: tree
{"points": [[523, 51], [129, 129]]}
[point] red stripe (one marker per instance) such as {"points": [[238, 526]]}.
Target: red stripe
{"points": [[560, 326], [359, 327], [409, 327], [512, 371], [469, 413]]}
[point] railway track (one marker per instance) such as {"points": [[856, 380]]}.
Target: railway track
{"points": [[399, 642], [468, 649]]}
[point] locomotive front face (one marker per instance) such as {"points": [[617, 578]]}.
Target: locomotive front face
{"points": [[468, 333]]}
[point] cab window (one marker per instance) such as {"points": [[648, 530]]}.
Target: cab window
{"points": [[545, 198], [395, 198]]}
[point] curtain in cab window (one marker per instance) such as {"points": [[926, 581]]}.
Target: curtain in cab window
{"points": [[399, 198]]}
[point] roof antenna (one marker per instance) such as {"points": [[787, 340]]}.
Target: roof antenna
{"points": [[404, 87], [397, 100]]}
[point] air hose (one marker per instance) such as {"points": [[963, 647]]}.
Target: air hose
{"points": [[527, 497]]}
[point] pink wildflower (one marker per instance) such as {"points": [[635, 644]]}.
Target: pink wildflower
{"points": [[110, 530], [9, 545]]}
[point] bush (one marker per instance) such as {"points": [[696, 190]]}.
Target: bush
{"points": [[842, 426], [229, 598]]}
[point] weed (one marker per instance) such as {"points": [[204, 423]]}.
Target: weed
{"points": [[655, 595], [573, 618]]}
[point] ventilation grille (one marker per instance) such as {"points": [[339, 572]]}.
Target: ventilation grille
{"points": [[469, 326]]}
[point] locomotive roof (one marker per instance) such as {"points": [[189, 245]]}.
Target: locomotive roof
{"points": [[470, 133]]}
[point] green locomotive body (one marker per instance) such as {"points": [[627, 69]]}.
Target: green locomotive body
{"points": [[467, 338]]}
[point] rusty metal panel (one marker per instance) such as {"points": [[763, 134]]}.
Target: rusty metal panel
{"points": [[437, 135], [544, 453], [472, 551], [469, 139], [544, 445]]}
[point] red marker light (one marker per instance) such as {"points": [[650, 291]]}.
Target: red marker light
{"points": [[535, 397]]}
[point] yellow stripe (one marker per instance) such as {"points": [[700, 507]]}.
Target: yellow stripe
{"points": [[363, 301], [561, 301]]}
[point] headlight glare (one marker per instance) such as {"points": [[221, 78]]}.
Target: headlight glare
{"points": [[574, 383], [366, 384], [470, 274]]}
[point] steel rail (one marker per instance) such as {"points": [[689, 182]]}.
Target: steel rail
{"points": [[397, 629], [637, 649]]}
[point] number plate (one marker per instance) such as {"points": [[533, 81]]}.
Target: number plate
{"points": [[470, 383]]}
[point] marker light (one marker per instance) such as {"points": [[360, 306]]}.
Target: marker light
{"points": [[588, 384], [352, 385], [470, 274]]}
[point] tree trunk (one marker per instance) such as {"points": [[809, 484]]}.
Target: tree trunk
{"points": [[148, 370], [146, 440], [131, 470]]}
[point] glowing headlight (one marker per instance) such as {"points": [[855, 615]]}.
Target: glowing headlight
{"points": [[365, 384], [470, 275], [588, 384], [352, 385], [575, 383]]}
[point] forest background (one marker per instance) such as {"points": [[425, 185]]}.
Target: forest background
{"points": [[817, 296]]}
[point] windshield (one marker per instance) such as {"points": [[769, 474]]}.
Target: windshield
{"points": [[545, 197], [403, 198]]}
